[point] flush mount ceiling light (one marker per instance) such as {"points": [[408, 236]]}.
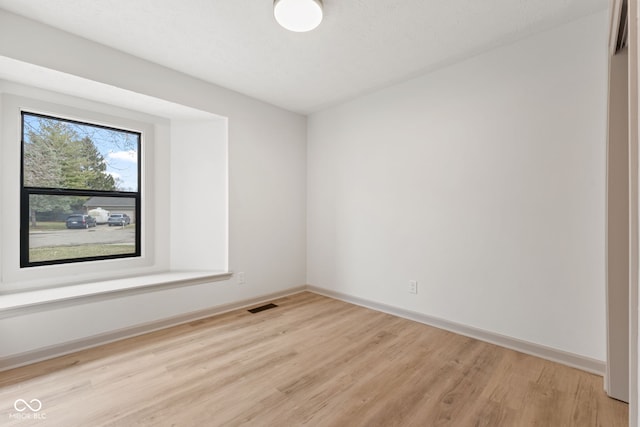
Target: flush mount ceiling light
{"points": [[298, 15]]}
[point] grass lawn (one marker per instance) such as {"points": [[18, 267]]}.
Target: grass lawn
{"points": [[80, 251], [48, 225]]}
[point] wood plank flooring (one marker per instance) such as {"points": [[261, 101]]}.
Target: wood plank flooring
{"points": [[312, 361]]}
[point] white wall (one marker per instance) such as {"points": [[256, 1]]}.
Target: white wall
{"points": [[200, 224], [267, 190], [483, 181]]}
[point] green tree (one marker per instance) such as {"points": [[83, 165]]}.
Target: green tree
{"points": [[42, 166], [94, 168], [56, 156]]}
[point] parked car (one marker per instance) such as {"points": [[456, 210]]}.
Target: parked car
{"points": [[119, 219], [80, 221]]}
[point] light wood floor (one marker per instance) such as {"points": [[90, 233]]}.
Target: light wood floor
{"points": [[312, 361]]}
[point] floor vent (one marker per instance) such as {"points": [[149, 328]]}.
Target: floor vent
{"points": [[262, 308]]}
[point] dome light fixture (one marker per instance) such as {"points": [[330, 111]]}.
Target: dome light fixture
{"points": [[298, 15]]}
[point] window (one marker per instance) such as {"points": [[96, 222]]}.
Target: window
{"points": [[80, 191], [170, 178]]}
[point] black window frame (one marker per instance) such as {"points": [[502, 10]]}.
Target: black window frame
{"points": [[25, 192]]}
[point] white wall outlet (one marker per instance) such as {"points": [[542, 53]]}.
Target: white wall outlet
{"points": [[413, 287], [241, 278]]}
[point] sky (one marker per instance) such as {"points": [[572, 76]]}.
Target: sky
{"points": [[119, 149], [122, 161]]}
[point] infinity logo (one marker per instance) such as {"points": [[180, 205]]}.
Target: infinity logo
{"points": [[21, 405]]}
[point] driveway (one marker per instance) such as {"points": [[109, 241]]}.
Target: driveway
{"points": [[102, 234]]}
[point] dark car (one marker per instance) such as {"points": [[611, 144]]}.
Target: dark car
{"points": [[119, 219], [80, 221]]}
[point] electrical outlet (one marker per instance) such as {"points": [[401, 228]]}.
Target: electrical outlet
{"points": [[241, 278], [413, 287]]}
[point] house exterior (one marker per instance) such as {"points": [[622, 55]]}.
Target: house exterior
{"points": [[124, 205]]}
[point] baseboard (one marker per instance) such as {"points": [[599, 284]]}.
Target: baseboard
{"points": [[570, 359], [27, 358]]}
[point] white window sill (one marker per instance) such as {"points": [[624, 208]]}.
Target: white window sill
{"points": [[24, 300]]}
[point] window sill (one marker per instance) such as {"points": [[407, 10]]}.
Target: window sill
{"points": [[54, 296]]}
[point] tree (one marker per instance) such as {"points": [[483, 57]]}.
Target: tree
{"points": [[56, 156], [94, 168], [42, 166]]}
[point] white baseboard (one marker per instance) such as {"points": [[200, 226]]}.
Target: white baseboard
{"points": [[27, 358], [570, 359], [548, 353]]}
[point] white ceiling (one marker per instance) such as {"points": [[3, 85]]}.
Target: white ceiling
{"points": [[361, 45]]}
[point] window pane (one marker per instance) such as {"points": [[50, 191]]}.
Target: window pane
{"points": [[71, 227], [71, 155]]}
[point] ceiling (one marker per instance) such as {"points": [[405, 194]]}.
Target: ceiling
{"points": [[361, 45]]}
